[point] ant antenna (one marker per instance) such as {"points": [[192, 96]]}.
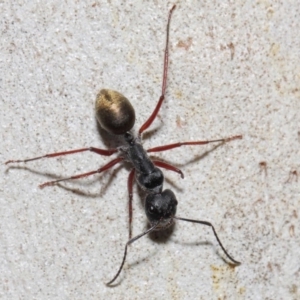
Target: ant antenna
{"points": [[152, 228], [156, 225], [215, 233]]}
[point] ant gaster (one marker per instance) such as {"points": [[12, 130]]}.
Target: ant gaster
{"points": [[116, 115]]}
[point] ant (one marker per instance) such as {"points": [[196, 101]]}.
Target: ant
{"points": [[116, 115]]}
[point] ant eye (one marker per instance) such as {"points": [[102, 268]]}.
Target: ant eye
{"points": [[152, 209]]}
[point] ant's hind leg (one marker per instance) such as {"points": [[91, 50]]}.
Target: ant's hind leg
{"points": [[164, 84], [105, 152]]}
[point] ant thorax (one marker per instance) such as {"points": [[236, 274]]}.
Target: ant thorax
{"points": [[149, 177]]}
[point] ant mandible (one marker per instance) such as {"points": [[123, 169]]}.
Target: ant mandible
{"points": [[116, 115]]}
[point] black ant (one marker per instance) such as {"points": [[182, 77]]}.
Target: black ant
{"points": [[116, 115]]}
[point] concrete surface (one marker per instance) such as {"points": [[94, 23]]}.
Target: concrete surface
{"points": [[234, 69]]}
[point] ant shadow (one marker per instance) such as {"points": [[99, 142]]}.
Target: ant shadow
{"points": [[78, 191], [162, 236]]}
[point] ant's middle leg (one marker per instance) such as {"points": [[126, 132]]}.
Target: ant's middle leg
{"points": [[176, 145], [100, 170]]}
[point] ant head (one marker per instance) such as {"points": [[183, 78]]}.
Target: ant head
{"points": [[161, 208], [114, 112]]}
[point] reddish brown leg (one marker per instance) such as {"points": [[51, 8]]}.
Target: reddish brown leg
{"points": [[130, 194], [176, 145], [164, 84], [167, 166], [105, 152], [102, 169]]}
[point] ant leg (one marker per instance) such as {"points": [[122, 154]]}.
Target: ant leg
{"points": [[102, 169], [167, 166], [125, 251], [215, 233], [164, 84], [130, 187], [105, 152], [176, 145]]}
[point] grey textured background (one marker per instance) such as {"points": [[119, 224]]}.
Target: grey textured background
{"points": [[234, 69]]}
